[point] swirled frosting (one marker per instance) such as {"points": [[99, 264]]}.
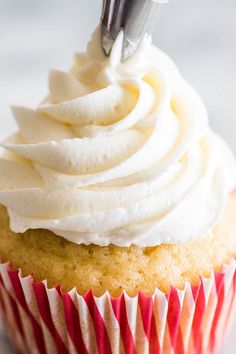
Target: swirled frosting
{"points": [[118, 153]]}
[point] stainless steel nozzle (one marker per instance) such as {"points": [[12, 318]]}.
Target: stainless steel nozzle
{"points": [[134, 17]]}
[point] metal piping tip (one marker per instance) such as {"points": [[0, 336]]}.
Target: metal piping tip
{"points": [[135, 17]]}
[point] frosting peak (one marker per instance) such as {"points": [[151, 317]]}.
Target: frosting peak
{"points": [[118, 153]]}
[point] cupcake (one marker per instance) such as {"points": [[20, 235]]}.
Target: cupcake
{"points": [[118, 213]]}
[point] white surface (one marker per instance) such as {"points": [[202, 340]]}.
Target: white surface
{"points": [[38, 35]]}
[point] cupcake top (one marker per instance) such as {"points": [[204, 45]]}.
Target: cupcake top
{"points": [[119, 153]]}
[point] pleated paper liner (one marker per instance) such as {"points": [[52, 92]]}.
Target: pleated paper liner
{"points": [[42, 320]]}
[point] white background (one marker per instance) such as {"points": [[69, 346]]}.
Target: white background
{"points": [[36, 36]]}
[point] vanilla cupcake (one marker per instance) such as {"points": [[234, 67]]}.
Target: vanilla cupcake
{"points": [[116, 189]]}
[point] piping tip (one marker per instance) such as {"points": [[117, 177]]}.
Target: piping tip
{"points": [[135, 17]]}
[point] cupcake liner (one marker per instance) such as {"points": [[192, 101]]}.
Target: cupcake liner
{"points": [[42, 320]]}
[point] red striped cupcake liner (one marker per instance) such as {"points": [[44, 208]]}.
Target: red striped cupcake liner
{"points": [[43, 320]]}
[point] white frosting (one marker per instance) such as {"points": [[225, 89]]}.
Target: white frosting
{"points": [[119, 153]]}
